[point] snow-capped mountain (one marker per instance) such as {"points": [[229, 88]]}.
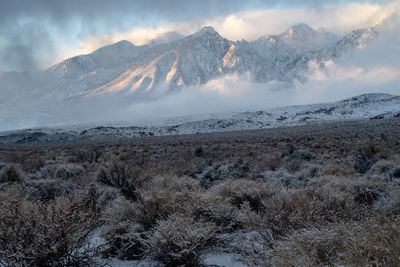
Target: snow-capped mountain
{"points": [[124, 74], [163, 66]]}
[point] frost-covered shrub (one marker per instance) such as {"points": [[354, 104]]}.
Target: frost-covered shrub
{"points": [[63, 171], [390, 202], [271, 163], [364, 194], [12, 174], [294, 209], [67, 171], [164, 196], [88, 155], [311, 171], [293, 165], [365, 158], [120, 176], [216, 209], [53, 234], [123, 240], [33, 165], [373, 242], [239, 191], [48, 189], [179, 240], [381, 169], [220, 171], [338, 169], [122, 233]]}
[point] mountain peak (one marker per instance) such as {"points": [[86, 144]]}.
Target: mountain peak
{"points": [[124, 43], [300, 28], [206, 31]]}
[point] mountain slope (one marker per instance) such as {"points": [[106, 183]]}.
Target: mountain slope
{"points": [[159, 68]]}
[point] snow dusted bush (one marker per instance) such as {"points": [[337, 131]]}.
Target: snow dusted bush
{"points": [[62, 171], [294, 209], [163, 196], [365, 158], [390, 203], [310, 171], [241, 190], [88, 155], [122, 234], [68, 171], [373, 242], [124, 241], [120, 176], [216, 209], [53, 234], [179, 240], [12, 174], [48, 189], [338, 169]]}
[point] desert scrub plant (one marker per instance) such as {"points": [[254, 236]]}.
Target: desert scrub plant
{"points": [[120, 176], [338, 169], [53, 234], [179, 240], [48, 189], [122, 233], [269, 163], [365, 158], [12, 174], [68, 171], [288, 211], [124, 241], [88, 155], [241, 190], [373, 242], [216, 209], [163, 196]]}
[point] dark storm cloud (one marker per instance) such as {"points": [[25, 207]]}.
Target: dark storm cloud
{"points": [[61, 11], [25, 26], [22, 44]]}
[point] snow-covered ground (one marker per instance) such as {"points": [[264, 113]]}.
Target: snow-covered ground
{"points": [[372, 106]]}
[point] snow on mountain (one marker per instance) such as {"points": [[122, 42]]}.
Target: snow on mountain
{"points": [[127, 73], [164, 66], [356, 39], [192, 60], [289, 52], [367, 106]]}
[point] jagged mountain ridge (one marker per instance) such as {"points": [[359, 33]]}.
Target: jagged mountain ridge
{"points": [[158, 68]]}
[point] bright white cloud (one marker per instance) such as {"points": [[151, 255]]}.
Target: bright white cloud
{"points": [[336, 18]]}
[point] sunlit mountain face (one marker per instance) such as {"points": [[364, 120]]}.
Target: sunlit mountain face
{"points": [[187, 66]]}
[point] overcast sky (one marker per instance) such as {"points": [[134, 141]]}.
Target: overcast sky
{"points": [[37, 33]]}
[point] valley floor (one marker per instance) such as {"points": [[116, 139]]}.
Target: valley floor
{"points": [[314, 195]]}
